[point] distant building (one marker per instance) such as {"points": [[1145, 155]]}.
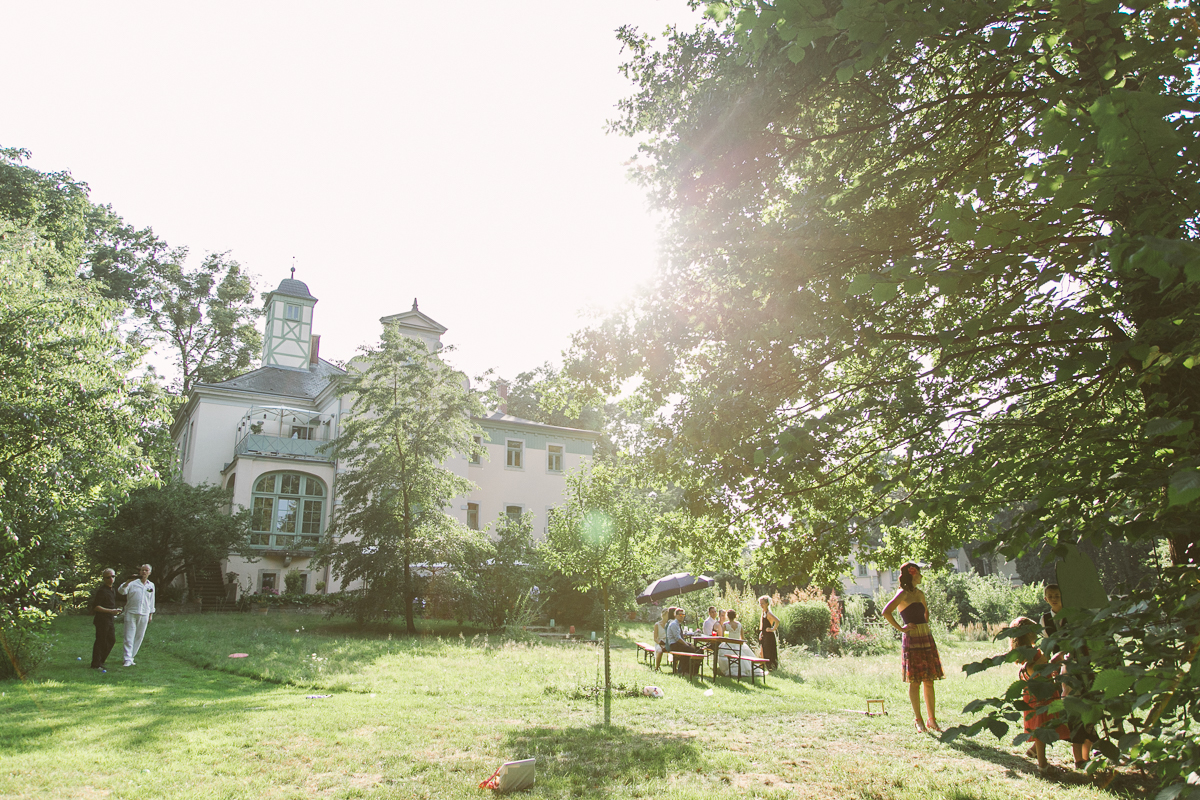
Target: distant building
{"points": [[260, 434], [866, 578]]}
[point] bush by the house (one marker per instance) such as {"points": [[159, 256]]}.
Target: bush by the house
{"points": [[805, 622]]}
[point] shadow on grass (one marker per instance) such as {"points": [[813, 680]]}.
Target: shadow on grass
{"points": [[127, 706], [1122, 782], [591, 760]]}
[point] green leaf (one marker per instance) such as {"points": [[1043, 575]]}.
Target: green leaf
{"points": [[861, 283], [1113, 682], [884, 292], [1166, 426], [1184, 487]]}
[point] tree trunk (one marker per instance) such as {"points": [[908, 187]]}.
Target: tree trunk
{"points": [[410, 624], [607, 666]]}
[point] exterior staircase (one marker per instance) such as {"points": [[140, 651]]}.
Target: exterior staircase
{"points": [[209, 587]]}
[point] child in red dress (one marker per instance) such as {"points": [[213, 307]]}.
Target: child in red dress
{"points": [[1036, 716]]}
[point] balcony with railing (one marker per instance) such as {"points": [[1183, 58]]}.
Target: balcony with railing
{"points": [[260, 444], [283, 432]]}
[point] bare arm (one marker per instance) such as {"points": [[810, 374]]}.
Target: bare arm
{"points": [[892, 605]]}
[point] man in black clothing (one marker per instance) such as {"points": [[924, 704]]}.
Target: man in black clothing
{"points": [[104, 611]]}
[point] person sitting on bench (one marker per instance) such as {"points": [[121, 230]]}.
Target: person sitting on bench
{"points": [[675, 640]]}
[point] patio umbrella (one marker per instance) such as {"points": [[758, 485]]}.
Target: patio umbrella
{"points": [[671, 585]]}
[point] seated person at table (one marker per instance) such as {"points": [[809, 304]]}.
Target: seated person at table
{"points": [[675, 640], [710, 620], [660, 637], [727, 658]]}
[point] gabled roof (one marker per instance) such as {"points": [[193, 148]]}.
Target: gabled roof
{"points": [[283, 381], [414, 318]]}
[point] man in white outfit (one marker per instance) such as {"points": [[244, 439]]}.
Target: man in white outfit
{"points": [[139, 610]]}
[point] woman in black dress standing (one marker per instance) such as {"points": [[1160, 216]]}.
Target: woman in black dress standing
{"points": [[767, 626]]}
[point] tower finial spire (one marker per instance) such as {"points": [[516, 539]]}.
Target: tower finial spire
{"points": [[414, 304], [293, 267]]}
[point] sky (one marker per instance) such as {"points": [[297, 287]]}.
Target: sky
{"points": [[455, 153]]}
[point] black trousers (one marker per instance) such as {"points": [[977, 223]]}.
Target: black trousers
{"points": [[106, 637]]}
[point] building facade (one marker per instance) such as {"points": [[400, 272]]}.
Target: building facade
{"points": [[264, 434]]}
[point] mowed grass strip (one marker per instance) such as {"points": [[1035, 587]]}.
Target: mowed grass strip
{"points": [[434, 714]]}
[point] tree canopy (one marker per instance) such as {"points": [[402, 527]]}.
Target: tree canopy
{"points": [[71, 418], [410, 412], [176, 528], [927, 264]]}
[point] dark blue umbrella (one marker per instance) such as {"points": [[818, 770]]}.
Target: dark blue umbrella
{"points": [[671, 585]]}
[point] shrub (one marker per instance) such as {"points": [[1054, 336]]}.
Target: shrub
{"points": [[805, 622], [871, 642], [293, 583], [939, 589], [854, 614], [25, 642]]}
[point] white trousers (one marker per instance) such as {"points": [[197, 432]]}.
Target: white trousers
{"points": [[135, 629]]}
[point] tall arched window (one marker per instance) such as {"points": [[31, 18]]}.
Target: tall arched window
{"points": [[287, 511]]}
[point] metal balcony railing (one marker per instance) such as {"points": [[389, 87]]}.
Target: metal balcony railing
{"points": [[258, 444]]}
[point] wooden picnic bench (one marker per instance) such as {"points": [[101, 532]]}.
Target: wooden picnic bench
{"points": [[647, 651], [752, 661], [695, 661]]}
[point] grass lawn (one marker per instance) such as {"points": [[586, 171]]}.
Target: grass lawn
{"points": [[433, 715]]}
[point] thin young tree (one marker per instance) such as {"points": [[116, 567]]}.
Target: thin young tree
{"points": [[410, 412], [604, 535]]}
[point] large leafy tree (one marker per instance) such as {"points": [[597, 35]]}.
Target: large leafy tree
{"points": [[204, 315], [605, 535], [70, 420], [927, 264], [176, 528], [97, 241], [410, 412]]}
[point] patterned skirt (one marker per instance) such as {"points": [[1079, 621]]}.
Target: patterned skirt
{"points": [[920, 661]]}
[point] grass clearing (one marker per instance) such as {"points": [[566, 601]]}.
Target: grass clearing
{"points": [[432, 715]]}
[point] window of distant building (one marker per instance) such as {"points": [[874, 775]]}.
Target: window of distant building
{"points": [[473, 516], [268, 581], [514, 512], [303, 432], [476, 458], [516, 452], [554, 458], [286, 511], [292, 311], [862, 570]]}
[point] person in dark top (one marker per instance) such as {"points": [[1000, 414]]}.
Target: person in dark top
{"points": [[104, 612], [1082, 735], [920, 663], [768, 624]]}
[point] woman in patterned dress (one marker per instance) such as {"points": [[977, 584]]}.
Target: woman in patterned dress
{"points": [[920, 663]]}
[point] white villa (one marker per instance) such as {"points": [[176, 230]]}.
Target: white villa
{"points": [[260, 434]]}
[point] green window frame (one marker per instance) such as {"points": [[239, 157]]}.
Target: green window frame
{"points": [[287, 511]]}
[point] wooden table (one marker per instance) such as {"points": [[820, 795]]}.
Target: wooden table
{"points": [[714, 643]]}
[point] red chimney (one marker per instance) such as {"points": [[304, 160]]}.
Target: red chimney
{"points": [[314, 349], [502, 390]]}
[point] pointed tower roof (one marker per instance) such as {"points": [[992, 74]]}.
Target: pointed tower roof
{"points": [[290, 287]]}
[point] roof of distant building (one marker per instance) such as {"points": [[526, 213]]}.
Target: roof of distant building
{"points": [[294, 288], [498, 417], [283, 381]]}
